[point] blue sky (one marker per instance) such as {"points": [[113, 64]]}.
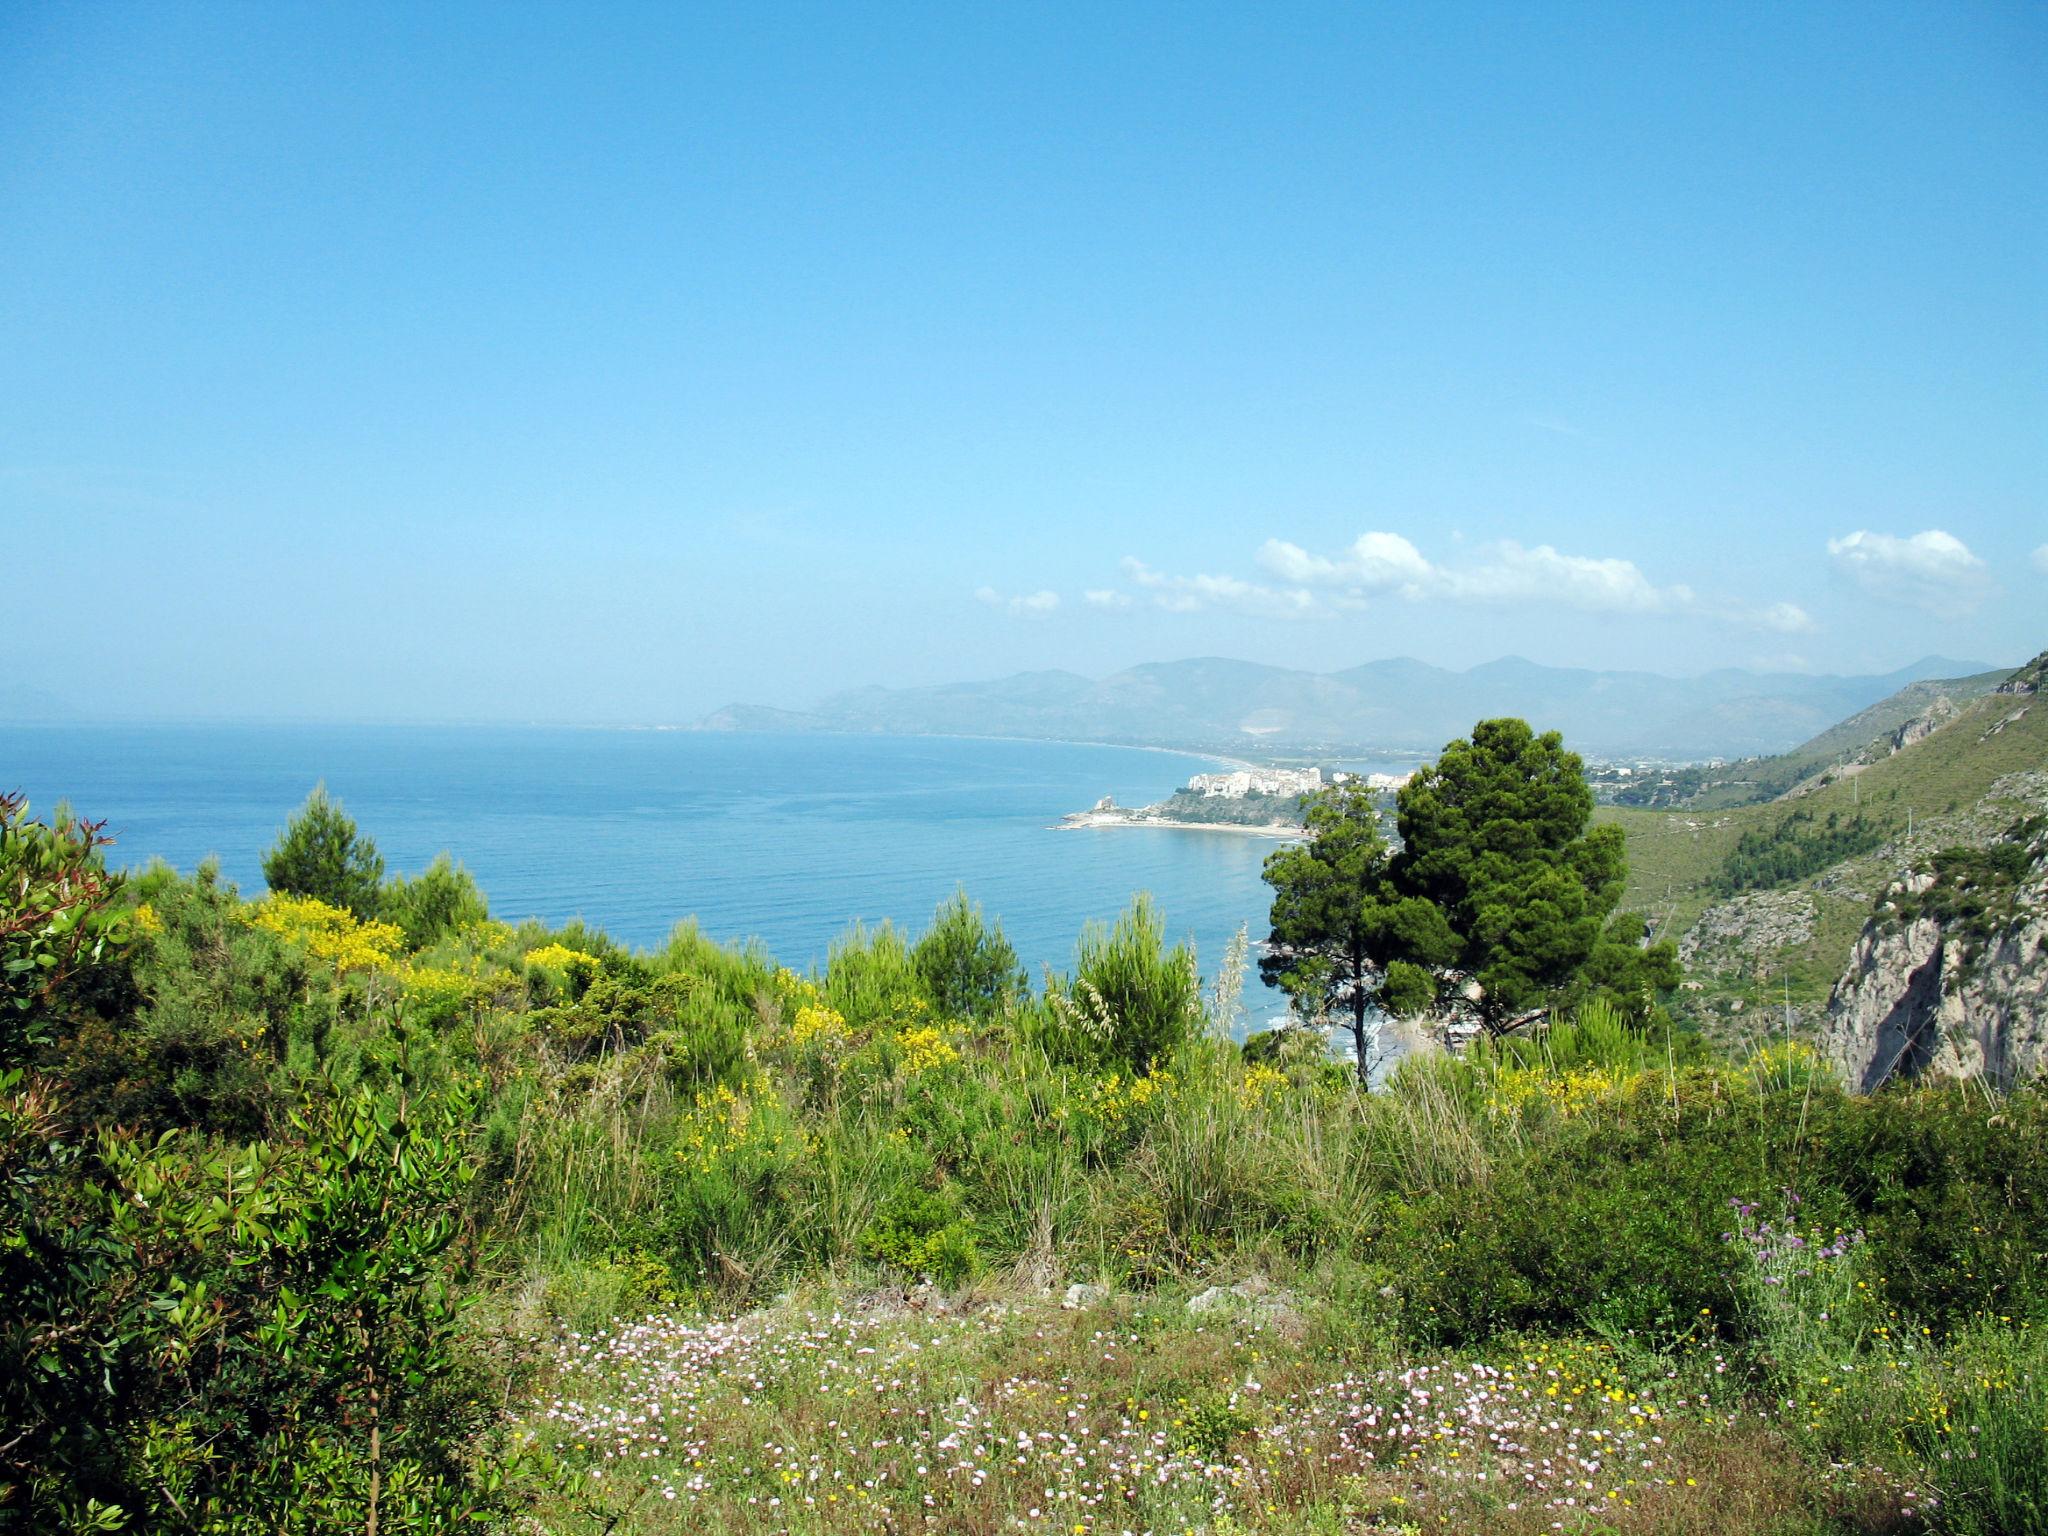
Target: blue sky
{"points": [[609, 363]]}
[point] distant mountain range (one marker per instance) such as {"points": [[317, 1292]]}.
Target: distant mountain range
{"points": [[1400, 705]]}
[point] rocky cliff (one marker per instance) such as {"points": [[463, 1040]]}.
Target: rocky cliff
{"points": [[1950, 976], [2028, 679], [1920, 727]]}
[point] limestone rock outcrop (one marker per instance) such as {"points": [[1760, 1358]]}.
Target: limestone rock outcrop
{"points": [[1920, 727], [2028, 679], [1952, 989]]}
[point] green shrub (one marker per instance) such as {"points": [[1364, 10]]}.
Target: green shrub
{"points": [[321, 853], [60, 927], [924, 1232], [187, 1026], [442, 900], [1975, 891], [967, 968], [870, 977], [1796, 847], [1593, 1035], [219, 1338], [738, 975], [1209, 1428], [1131, 1001], [1952, 1190]]}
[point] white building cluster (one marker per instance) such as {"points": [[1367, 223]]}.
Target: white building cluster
{"points": [[1284, 781], [1258, 781]]}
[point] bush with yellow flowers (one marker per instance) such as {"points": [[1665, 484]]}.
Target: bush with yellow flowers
{"points": [[333, 934]]}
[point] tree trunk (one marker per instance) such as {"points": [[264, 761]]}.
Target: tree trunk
{"points": [[1358, 1011]]}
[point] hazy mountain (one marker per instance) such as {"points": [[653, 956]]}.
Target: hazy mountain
{"points": [[1398, 704]]}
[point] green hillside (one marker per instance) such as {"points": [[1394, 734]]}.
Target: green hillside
{"points": [[1753, 780], [1962, 785], [1839, 742]]}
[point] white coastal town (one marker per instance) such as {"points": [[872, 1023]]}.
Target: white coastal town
{"points": [[1261, 801]]}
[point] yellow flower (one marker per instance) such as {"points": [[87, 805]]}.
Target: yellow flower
{"points": [[819, 1027], [329, 933], [1261, 1082], [428, 987], [560, 958], [925, 1048]]}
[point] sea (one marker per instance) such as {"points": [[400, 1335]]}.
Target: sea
{"points": [[786, 841]]}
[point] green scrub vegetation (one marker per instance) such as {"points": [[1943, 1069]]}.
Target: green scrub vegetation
{"points": [[353, 1208]]}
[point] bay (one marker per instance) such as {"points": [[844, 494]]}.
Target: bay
{"points": [[787, 840]]}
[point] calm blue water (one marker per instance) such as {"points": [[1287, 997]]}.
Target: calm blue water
{"points": [[785, 839]]}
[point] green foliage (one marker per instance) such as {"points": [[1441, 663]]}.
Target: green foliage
{"points": [[206, 1009], [1978, 1420], [209, 1330], [610, 1015], [1208, 1428], [239, 1191], [1332, 909], [221, 1338], [1796, 847], [924, 1233], [321, 854], [1861, 1386], [443, 900], [870, 977], [1975, 893], [1131, 1001], [1625, 973], [968, 969], [57, 919], [1595, 1034], [1497, 846], [736, 974], [1499, 902]]}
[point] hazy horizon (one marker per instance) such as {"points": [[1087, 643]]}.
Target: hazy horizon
{"points": [[613, 365], [12, 700]]}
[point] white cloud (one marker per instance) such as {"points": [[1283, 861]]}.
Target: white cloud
{"points": [[1382, 564], [1022, 605], [1515, 574], [1375, 562], [1386, 563], [1932, 568], [1785, 618], [2041, 559], [1195, 594], [1106, 597]]}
